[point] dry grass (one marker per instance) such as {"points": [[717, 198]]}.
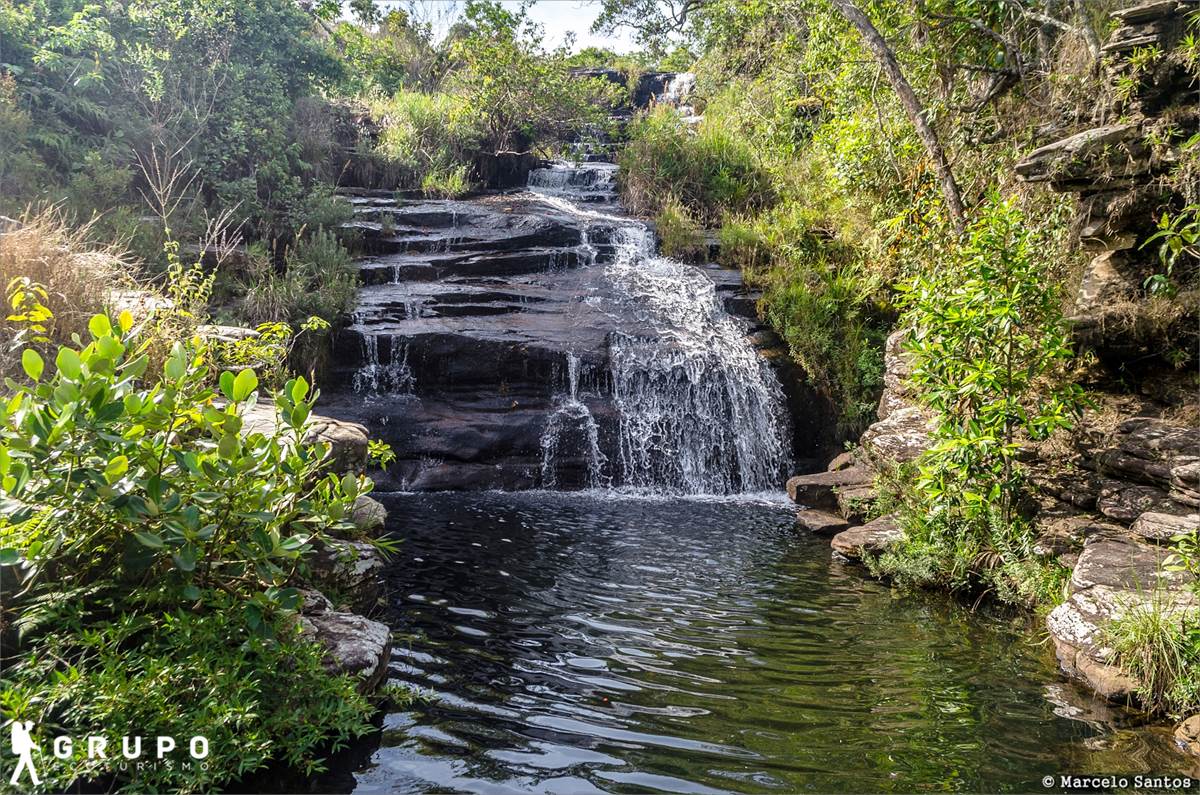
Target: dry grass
{"points": [[76, 273]]}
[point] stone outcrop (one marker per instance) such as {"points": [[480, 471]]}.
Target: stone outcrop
{"points": [[1115, 576], [350, 570], [870, 539], [353, 645], [1115, 168], [348, 441], [368, 515]]}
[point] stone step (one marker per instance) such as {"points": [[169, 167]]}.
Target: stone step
{"points": [[821, 523], [870, 539], [819, 490]]}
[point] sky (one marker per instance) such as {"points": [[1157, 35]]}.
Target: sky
{"points": [[557, 17]]}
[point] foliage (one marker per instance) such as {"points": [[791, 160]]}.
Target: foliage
{"points": [[1178, 239], [317, 280], [427, 137], [679, 234], [70, 276], [712, 172], [520, 93], [147, 523], [1160, 646], [988, 348]]}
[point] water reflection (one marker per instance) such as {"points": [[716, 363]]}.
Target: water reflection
{"points": [[585, 643]]}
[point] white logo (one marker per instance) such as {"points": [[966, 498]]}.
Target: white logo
{"points": [[22, 746]]}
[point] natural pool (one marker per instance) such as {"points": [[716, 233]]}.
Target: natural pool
{"points": [[577, 643]]}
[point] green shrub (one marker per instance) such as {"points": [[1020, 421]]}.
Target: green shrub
{"points": [[679, 234], [712, 170], [426, 136], [318, 279], [158, 546], [1160, 646]]}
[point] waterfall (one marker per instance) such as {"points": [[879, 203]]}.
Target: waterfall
{"points": [[572, 415], [374, 378], [698, 411]]}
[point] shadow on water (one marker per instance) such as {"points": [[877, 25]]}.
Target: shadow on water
{"points": [[583, 643]]}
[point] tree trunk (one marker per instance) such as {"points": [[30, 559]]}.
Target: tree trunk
{"points": [[912, 106]]}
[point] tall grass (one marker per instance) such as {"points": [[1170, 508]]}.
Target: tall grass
{"points": [[427, 140], [78, 274]]}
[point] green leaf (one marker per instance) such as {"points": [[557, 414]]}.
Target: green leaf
{"points": [[245, 383], [151, 540], [100, 326], [33, 364], [9, 557], [116, 469], [68, 363], [227, 385], [185, 559]]}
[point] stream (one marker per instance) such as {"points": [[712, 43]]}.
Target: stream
{"points": [[599, 585], [574, 643]]}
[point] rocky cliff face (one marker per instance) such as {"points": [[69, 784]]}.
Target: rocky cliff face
{"points": [[1110, 499]]}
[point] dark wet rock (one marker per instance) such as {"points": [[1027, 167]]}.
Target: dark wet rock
{"points": [[473, 316], [1163, 527], [870, 539], [819, 490], [650, 86], [821, 523], [505, 169], [354, 645], [350, 570]]}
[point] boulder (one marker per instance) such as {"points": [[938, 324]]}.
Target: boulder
{"points": [[1114, 576], [217, 333], [856, 502], [353, 644], [902, 437], [368, 515], [1108, 279], [348, 569], [1187, 735], [870, 539], [896, 369], [1162, 527], [821, 523], [1090, 160], [819, 490], [348, 441]]}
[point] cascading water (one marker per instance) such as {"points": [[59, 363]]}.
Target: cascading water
{"points": [[698, 410], [572, 419], [375, 378]]}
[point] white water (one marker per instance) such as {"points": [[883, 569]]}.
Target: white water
{"points": [[699, 411], [374, 378], [571, 414]]}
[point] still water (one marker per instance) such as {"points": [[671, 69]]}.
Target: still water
{"points": [[584, 643]]}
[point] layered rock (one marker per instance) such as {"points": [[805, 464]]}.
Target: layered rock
{"points": [[1115, 168], [1115, 577]]}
